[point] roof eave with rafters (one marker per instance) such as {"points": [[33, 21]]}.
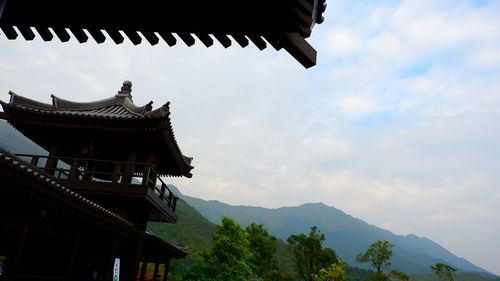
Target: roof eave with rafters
{"points": [[285, 24]]}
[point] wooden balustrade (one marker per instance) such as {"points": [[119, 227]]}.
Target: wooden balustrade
{"points": [[113, 172]]}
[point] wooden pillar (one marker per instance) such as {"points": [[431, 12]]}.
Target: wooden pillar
{"points": [[129, 168], [165, 271], [23, 233], [155, 271], [108, 273], [51, 164], [73, 172], [72, 260], [116, 172], [145, 176], [143, 270], [137, 257]]}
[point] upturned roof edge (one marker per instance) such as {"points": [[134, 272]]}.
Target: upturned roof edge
{"points": [[120, 106]]}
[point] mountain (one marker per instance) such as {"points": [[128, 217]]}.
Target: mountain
{"points": [[349, 236], [13, 141], [192, 230], [463, 276]]}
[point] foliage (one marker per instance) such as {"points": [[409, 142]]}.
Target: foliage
{"points": [[462, 276], [334, 272], [308, 255], [379, 255], [191, 230], [398, 275], [443, 271], [228, 257], [357, 274], [263, 248]]}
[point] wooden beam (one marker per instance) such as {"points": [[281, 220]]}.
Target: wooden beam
{"points": [[187, 38], [168, 38], [205, 39], [115, 35], [223, 39], [151, 37], [9, 31], [299, 49], [26, 32], [133, 36], [80, 35], [305, 6], [44, 33], [240, 39], [97, 35], [302, 19], [61, 33], [277, 45], [258, 41]]}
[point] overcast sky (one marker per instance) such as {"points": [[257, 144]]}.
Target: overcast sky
{"points": [[396, 125]]}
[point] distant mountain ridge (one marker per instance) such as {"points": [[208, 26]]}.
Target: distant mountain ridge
{"points": [[349, 236]]}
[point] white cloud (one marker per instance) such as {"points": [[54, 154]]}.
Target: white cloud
{"points": [[357, 105], [342, 42]]}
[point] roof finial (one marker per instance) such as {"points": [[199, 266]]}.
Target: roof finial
{"points": [[127, 86], [126, 89]]}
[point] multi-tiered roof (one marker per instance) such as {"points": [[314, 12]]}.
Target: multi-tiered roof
{"points": [[111, 126]]}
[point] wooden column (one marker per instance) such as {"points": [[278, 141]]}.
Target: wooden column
{"points": [[51, 164], [73, 170], [108, 273], [23, 233], [143, 270], [72, 260], [165, 271], [129, 168], [155, 271], [136, 259]]}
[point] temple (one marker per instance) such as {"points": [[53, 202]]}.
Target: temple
{"points": [[284, 24], [81, 212]]}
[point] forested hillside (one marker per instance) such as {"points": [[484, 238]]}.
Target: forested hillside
{"points": [[194, 231], [349, 236]]}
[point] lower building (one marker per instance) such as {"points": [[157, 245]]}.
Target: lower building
{"points": [[81, 212]]}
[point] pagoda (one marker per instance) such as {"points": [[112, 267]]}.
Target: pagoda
{"points": [[106, 158]]}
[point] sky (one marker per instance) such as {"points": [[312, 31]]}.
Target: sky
{"points": [[395, 124]]}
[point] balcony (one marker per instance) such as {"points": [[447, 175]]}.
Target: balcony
{"points": [[111, 178]]}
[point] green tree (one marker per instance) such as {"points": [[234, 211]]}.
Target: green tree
{"points": [[333, 272], [444, 272], [228, 257], [379, 255], [308, 255], [263, 249], [398, 275]]}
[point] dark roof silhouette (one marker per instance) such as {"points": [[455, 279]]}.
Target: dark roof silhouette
{"points": [[285, 24]]}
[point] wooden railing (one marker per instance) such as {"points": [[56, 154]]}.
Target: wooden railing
{"points": [[95, 170]]}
